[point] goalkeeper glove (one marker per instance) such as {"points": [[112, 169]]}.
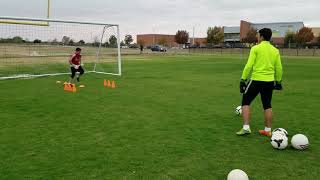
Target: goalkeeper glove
{"points": [[277, 86], [243, 86]]}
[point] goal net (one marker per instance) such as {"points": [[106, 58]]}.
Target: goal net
{"points": [[32, 47]]}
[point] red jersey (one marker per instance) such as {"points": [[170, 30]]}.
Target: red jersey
{"points": [[76, 59]]}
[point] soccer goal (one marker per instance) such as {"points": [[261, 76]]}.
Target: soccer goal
{"points": [[42, 47]]}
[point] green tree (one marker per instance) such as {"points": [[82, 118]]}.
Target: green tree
{"points": [[215, 35], [82, 42], [304, 35], [37, 41], [290, 38], [181, 37], [65, 40], [113, 41], [54, 41], [71, 42], [17, 39], [122, 43], [128, 39]]}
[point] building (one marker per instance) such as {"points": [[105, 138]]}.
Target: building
{"points": [[153, 39], [198, 41], [166, 40], [231, 34], [279, 30], [316, 33]]}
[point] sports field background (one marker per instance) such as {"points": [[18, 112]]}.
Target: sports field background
{"points": [[171, 117]]}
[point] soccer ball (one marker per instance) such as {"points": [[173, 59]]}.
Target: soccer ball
{"points": [[300, 141], [279, 141], [238, 110], [280, 131], [237, 174]]}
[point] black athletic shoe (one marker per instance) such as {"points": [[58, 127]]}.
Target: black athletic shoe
{"points": [[78, 79]]}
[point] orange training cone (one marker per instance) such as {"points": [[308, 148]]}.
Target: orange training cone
{"points": [[66, 86], [105, 83], [73, 88], [113, 85], [70, 87], [109, 84]]}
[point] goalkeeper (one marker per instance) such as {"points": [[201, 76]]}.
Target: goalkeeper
{"points": [[264, 63], [75, 64]]}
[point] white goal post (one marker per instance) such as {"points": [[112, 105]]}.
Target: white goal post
{"points": [[34, 47]]}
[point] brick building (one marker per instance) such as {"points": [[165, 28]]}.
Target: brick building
{"points": [[165, 40], [153, 39]]}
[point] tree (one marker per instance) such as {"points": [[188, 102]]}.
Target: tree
{"points": [[318, 39], [163, 41], [304, 35], [251, 36], [37, 41], [128, 39], [290, 38], [106, 44], [54, 41], [113, 41], [17, 39], [181, 37], [65, 40], [215, 35], [71, 42], [81, 42], [122, 43]]}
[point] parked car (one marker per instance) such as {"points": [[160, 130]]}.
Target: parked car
{"points": [[158, 48]]}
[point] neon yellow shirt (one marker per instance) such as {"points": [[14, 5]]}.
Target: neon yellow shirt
{"points": [[264, 62]]}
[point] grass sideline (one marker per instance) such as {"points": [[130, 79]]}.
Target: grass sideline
{"points": [[171, 117]]}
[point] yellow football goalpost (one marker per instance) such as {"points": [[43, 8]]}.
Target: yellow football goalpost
{"points": [[41, 23]]}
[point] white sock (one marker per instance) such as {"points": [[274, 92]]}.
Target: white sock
{"points": [[246, 127], [267, 129]]}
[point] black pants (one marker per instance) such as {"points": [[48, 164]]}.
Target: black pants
{"points": [[74, 70], [254, 88]]}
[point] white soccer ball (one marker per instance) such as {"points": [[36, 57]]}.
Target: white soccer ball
{"points": [[237, 174], [280, 131], [279, 141], [300, 141], [238, 110], [76, 66]]}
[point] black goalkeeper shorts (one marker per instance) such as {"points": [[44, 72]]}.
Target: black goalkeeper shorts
{"points": [[254, 88], [74, 70]]}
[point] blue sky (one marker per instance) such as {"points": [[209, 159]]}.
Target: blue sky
{"points": [[167, 16]]}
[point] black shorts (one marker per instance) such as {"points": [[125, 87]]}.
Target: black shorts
{"points": [[254, 88], [74, 70]]}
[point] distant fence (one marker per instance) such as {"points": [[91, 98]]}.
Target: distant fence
{"points": [[245, 51]]}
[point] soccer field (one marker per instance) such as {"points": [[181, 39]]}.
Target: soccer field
{"points": [[170, 117]]}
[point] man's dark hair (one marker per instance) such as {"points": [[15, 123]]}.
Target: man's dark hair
{"points": [[266, 33], [78, 49]]}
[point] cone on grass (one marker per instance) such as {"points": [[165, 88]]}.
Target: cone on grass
{"points": [[109, 83], [113, 85], [69, 87], [105, 83]]}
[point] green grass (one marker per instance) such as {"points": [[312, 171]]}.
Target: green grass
{"points": [[171, 117]]}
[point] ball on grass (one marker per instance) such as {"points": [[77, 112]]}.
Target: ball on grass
{"points": [[300, 142], [237, 174]]}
